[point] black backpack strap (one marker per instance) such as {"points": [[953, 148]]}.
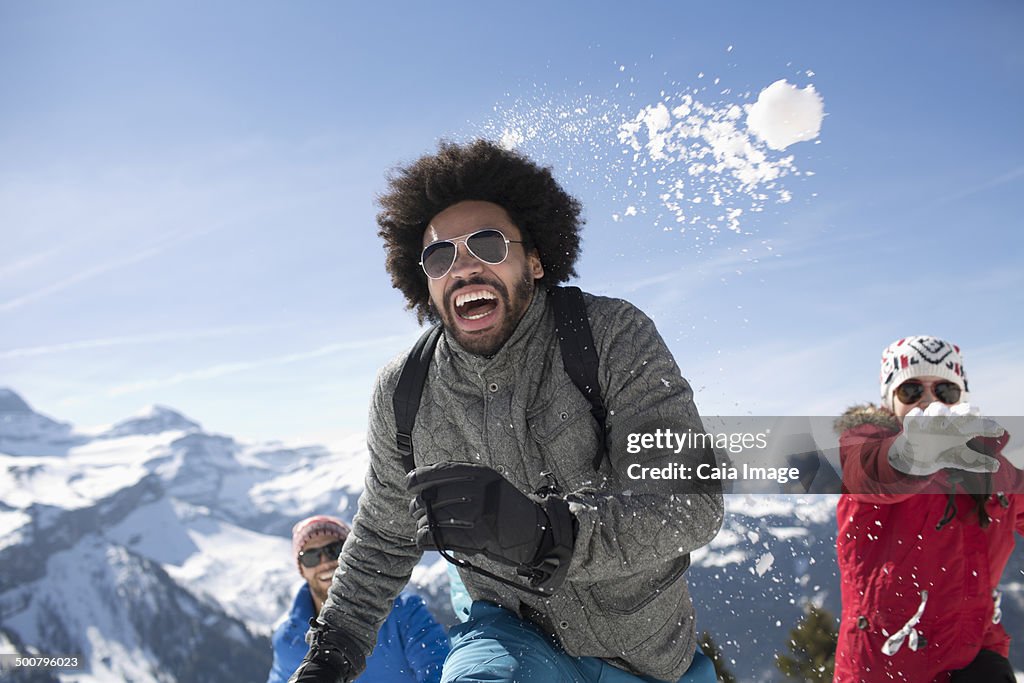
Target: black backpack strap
{"points": [[406, 400], [579, 355]]}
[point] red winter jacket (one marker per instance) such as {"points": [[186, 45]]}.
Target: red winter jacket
{"points": [[890, 553]]}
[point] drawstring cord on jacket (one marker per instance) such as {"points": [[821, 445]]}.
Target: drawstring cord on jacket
{"points": [[950, 512], [895, 641], [980, 501]]}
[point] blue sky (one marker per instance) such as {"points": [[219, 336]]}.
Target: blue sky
{"points": [[187, 193]]}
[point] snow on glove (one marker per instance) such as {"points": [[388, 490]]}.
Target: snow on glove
{"points": [[333, 657], [936, 438], [473, 509]]}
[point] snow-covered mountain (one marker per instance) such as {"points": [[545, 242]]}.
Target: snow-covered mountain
{"points": [[152, 549], [152, 420], [159, 552], [23, 431]]}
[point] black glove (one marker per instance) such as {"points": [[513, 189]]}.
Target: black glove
{"points": [[473, 509], [333, 657]]}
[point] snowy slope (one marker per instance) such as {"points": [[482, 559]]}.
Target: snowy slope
{"points": [[224, 565]]}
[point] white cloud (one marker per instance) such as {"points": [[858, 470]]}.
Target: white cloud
{"points": [[28, 262], [223, 369], [133, 340], [785, 114], [77, 278], [1001, 179]]}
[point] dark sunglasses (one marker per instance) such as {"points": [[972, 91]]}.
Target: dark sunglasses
{"points": [[488, 245], [912, 390], [311, 558]]}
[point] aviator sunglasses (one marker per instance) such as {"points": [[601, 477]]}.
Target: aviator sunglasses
{"points": [[912, 390], [488, 245], [311, 558]]}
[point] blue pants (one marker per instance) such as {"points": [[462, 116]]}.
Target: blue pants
{"points": [[496, 646]]}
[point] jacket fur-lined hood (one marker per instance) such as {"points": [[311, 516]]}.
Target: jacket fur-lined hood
{"points": [[866, 414]]}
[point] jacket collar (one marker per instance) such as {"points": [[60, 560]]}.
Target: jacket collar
{"points": [[867, 414], [302, 606]]}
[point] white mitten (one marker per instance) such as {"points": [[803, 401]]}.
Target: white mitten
{"points": [[936, 438]]}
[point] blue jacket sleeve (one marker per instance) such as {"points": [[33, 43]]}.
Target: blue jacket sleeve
{"points": [[424, 640]]}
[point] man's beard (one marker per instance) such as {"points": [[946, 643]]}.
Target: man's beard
{"points": [[514, 308]]}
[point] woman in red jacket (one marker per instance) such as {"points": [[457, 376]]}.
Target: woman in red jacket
{"points": [[926, 526]]}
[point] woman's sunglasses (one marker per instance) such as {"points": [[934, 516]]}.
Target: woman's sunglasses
{"points": [[488, 245], [311, 558], [912, 390]]}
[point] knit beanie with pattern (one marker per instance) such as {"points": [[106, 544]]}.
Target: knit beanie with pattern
{"points": [[918, 357]]}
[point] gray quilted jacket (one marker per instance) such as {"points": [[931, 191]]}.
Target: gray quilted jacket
{"points": [[626, 598]]}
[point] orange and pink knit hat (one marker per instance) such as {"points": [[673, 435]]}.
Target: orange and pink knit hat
{"points": [[317, 524]]}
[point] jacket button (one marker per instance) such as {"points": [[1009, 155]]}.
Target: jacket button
{"points": [[563, 624], [492, 387], [564, 415], [862, 622]]}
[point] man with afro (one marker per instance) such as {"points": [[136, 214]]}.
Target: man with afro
{"points": [[576, 571]]}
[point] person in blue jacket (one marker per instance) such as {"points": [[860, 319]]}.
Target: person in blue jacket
{"points": [[411, 645]]}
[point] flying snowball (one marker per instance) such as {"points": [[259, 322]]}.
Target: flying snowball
{"points": [[784, 114]]}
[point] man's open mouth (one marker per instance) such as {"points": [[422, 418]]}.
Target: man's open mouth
{"points": [[475, 305]]}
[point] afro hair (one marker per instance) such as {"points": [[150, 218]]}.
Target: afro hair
{"points": [[548, 217]]}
